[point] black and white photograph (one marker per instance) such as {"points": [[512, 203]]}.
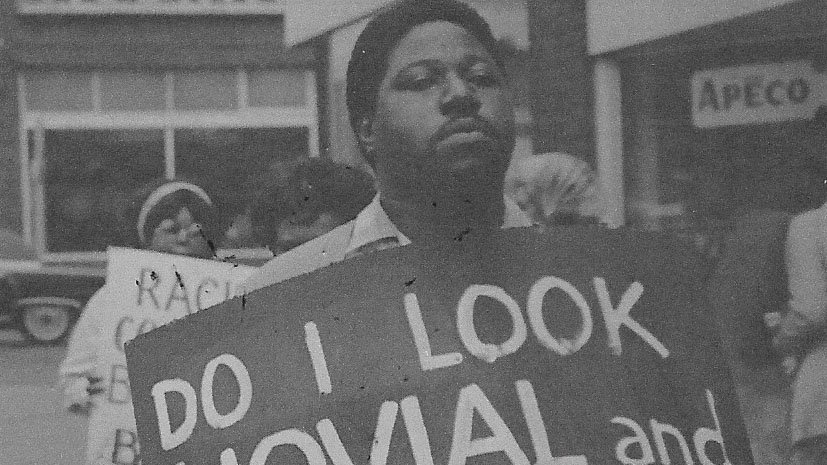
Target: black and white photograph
{"points": [[413, 232]]}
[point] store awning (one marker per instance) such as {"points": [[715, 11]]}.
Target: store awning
{"points": [[306, 19], [615, 25], [786, 23]]}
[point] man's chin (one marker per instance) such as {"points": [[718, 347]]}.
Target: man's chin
{"points": [[474, 181], [476, 172]]}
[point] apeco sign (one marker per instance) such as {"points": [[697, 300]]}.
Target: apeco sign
{"points": [[150, 7], [756, 94]]}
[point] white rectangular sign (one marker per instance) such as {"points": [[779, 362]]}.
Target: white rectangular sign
{"points": [[150, 7], [756, 94], [144, 290]]}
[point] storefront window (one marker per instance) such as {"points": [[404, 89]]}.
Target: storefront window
{"points": [[205, 90], [231, 164], [123, 91], [696, 182], [59, 91], [89, 176], [94, 137], [277, 88]]}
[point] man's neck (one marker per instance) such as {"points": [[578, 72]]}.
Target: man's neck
{"points": [[424, 221]]}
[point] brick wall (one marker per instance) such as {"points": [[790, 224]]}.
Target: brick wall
{"points": [[562, 77]]}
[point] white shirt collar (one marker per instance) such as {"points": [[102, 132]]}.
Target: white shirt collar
{"points": [[372, 224]]}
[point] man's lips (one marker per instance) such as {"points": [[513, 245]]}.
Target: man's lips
{"points": [[465, 130]]}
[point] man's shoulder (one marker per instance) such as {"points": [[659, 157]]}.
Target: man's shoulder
{"points": [[810, 221], [312, 255]]}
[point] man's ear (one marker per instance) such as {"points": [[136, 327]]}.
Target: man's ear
{"points": [[366, 138]]}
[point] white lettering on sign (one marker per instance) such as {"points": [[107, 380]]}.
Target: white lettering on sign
{"points": [[245, 387], [423, 344], [660, 431], [614, 318], [384, 430], [535, 315], [169, 438], [537, 429], [468, 333], [228, 457], [670, 442], [414, 424], [311, 449], [151, 7], [756, 94], [417, 434], [472, 399], [314, 347]]}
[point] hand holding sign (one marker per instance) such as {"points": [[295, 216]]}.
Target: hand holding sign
{"points": [[575, 348]]}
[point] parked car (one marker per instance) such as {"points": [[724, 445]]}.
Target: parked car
{"points": [[42, 300]]}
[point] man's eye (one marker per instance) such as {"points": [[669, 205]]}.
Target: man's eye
{"points": [[416, 80], [484, 77]]}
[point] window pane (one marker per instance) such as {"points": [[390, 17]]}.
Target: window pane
{"points": [[270, 88], [132, 91], [90, 176], [206, 90], [59, 91], [231, 164]]}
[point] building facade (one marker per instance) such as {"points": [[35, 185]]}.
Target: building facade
{"points": [[694, 114], [99, 97], [690, 114]]}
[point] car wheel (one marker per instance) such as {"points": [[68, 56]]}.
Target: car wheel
{"points": [[46, 323]]}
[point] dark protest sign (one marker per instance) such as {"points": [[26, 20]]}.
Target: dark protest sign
{"points": [[583, 346]]}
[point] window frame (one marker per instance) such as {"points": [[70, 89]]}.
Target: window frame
{"points": [[37, 122]]}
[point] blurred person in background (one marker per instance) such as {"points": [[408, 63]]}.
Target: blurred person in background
{"points": [[173, 217], [553, 188], [308, 199], [801, 335], [312, 197], [749, 290]]}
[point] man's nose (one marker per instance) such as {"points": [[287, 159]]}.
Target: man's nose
{"points": [[459, 97]]}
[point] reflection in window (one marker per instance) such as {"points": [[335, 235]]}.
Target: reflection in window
{"points": [[231, 164], [90, 176]]}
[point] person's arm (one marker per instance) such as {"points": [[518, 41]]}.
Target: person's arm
{"points": [[78, 373], [807, 308]]}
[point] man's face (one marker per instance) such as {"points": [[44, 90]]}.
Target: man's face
{"points": [[443, 128]]}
